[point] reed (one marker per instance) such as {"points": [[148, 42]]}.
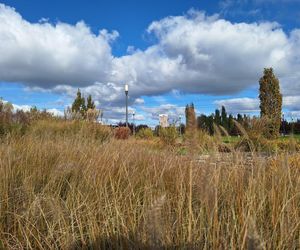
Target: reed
{"points": [[79, 192]]}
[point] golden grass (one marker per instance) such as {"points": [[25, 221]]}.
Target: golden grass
{"points": [[68, 192]]}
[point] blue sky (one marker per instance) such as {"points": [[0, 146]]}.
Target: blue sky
{"points": [[171, 53]]}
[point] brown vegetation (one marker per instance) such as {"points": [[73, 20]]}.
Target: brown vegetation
{"points": [[71, 185], [122, 133]]}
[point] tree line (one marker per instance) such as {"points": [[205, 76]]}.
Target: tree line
{"points": [[270, 113], [270, 106], [222, 118]]}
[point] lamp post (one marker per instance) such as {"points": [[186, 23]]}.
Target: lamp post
{"points": [[283, 125], [180, 125], [126, 94], [292, 127], [101, 115], [133, 114]]}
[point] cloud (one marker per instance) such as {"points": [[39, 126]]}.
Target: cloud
{"points": [[55, 112], [239, 105], [193, 53], [292, 115], [27, 108], [251, 105], [204, 54], [117, 114], [173, 111], [139, 101], [24, 108], [292, 103], [45, 55]]}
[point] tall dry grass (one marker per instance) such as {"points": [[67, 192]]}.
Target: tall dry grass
{"points": [[68, 192]]}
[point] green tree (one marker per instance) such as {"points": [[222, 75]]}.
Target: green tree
{"points": [[217, 117], [90, 103], [270, 101], [239, 118], [224, 118], [78, 105], [230, 124], [210, 124], [202, 122]]}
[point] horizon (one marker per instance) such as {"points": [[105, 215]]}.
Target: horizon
{"points": [[210, 53]]}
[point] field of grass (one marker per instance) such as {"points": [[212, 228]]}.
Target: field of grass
{"points": [[63, 186], [234, 139], [287, 137]]}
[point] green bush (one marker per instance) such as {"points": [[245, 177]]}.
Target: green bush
{"points": [[168, 135], [145, 133]]}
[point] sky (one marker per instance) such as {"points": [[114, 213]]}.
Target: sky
{"points": [[170, 52]]}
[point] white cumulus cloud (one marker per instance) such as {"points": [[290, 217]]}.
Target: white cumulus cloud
{"points": [[193, 53], [46, 55], [197, 53], [251, 105]]}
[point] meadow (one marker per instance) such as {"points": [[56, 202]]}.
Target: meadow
{"points": [[73, 185]]}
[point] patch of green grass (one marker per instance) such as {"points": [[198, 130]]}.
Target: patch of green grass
{"points": [[231, 139], [287, 137]]}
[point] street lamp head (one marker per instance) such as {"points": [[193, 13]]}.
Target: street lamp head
{"points": [[126, 87], [133, 112]]}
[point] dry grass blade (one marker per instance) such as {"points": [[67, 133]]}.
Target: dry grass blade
{"points": [[217, 131], [154, 222], [66, 187], [225, 133], [241, 129]]}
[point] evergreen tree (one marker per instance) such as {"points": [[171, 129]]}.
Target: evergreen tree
{"points": [[78, 105], [240, 118], [83, 108], [224, 118], [77, 102], [202, 122], [210, 124], [90, 103], [246, 121], [217, 117], [270, 101], [230, 124]]}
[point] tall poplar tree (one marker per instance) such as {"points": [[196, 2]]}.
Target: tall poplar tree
{"points": [[191, 122], [270, 101]]}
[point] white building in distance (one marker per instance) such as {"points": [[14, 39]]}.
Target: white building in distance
{"points": [[163, 120]]}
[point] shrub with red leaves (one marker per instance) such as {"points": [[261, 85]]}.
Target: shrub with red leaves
{"points": [[122, 133]]}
